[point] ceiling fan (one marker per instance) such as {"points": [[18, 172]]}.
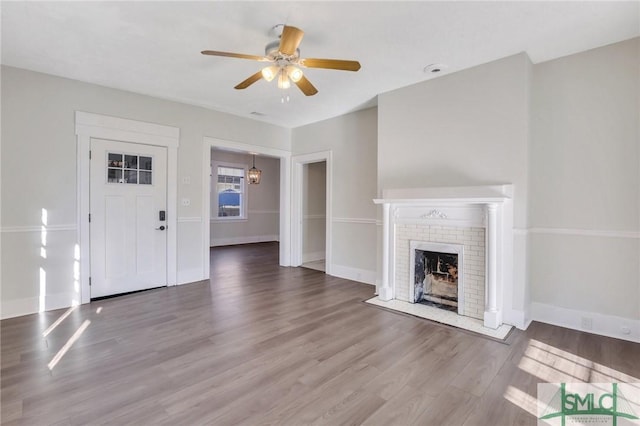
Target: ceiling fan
{"points": [[285, 60]]}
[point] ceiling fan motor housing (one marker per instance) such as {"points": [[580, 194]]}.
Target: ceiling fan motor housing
{"points": [[272, 51]]}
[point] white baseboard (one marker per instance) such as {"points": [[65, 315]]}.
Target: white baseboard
{"points": [[191, 275], [354, 274], [604, 325], [215, 242], [313, 256], [518, 319], [31, 305], [19, 307]]}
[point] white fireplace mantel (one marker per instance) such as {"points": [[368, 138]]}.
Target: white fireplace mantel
{"points": [[482, 206], [447, 195]]}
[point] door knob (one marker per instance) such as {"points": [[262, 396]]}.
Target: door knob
{"points": [[162, 228]]}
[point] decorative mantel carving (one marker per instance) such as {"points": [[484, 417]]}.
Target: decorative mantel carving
{"points": [[434, 214]]}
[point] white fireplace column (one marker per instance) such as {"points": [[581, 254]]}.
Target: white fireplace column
{"points": [[385, 292], [492, 315]]}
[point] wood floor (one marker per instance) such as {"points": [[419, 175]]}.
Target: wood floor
{"points": [[265, 345]]}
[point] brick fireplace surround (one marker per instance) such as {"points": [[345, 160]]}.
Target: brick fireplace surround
{"points": [[479, 218]]}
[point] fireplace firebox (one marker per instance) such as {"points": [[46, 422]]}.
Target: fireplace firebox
{"points": [[437, 275]]}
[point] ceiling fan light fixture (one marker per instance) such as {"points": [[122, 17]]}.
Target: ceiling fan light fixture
{"points": [[283, 80], [269, 73], [294, 73], [284, 56]]}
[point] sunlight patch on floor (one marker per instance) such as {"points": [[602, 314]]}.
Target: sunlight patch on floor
{"points": [[550, 364], [58, 321], [521, 399], [54, 361]]}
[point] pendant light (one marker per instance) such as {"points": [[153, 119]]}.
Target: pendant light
{"points": [[254, 174]]}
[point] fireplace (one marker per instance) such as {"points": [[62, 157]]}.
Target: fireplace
{"points": [[446, 246], [437, 275]]}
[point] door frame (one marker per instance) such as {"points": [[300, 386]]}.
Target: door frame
{"points": [[285, 194], [297, 214], [89, 125]]}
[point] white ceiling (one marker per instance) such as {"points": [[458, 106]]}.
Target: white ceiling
{"points": [[154, 48]]}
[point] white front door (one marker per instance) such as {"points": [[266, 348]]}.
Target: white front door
{"points": [[128, 235]]}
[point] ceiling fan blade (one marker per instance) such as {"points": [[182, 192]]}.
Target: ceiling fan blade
{"points": [[305, 85], [234, 55], [249, 81], [290, 40], [332, 64]]}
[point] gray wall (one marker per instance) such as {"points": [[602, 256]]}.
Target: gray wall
{"points": [[352, 138], [38, 172], [464, 129], [263, 208], [566, 134], [585, 182]]}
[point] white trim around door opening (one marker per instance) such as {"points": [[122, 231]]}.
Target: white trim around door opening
{"points": [[90, 126]]}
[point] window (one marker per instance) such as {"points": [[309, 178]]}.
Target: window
{"points": [[228, 191], [131, 169]]}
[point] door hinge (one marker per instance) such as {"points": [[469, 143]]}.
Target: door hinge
{"points": [[89, 217], [89, 154], [89, 281]]}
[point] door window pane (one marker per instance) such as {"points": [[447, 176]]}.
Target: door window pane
{"points": [[131, 161], [130, 176], [145, 163], [114, 176], [144, 178], [129, 169], [114, 160]]}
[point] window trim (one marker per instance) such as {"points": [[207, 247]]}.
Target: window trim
{"points": [[214, 198]]}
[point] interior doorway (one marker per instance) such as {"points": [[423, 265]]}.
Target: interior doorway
{"points": [[284, 216], [302, 165], [242, 212], [314, 206]]}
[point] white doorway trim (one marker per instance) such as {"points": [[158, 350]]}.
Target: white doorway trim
{"points": [[285, 193], [88, 126], [297, 215]]}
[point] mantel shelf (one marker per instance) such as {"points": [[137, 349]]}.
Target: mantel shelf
{"points": [[454, 194]]}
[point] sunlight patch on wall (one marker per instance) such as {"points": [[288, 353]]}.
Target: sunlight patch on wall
{"points": [[76, 275], [44, 217], [43, 290]]}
